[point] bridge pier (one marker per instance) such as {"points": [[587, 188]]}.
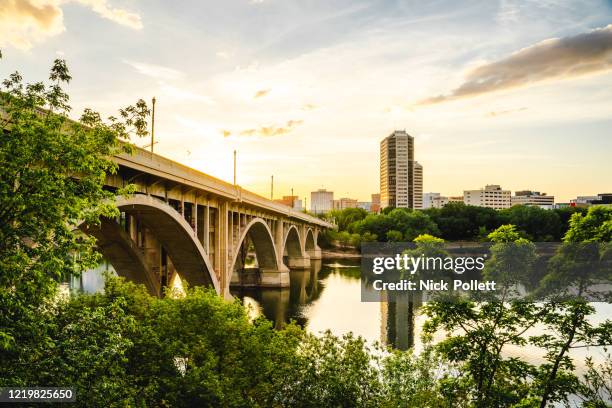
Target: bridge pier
{"points": [[274, 278], [314, 253], [299, 262]]}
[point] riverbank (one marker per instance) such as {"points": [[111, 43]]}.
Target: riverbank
{"points": [[340, 253]]}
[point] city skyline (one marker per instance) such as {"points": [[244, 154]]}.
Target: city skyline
{"points": [[511, 93]]}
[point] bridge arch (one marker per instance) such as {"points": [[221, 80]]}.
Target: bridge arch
{"points": [[169, 228], [292, 244], [260, 235], [293, 249], [309, 244]]}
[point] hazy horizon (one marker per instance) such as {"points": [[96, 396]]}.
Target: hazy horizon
{"points": [[511, 93]]}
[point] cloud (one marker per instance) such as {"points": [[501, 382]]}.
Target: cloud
{"points": [[155, 71], [266, 131], [117, 15], [493, 114], [24, 23], [224, 54], [555, 58], [261, 93]]}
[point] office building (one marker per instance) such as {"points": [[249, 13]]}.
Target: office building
{"points": [[428, 199], [399, 185], [321, 201], [375, 208], [533, 198], [587, 201], [491, 196], [343, 203]]}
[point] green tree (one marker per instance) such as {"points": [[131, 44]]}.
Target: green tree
{"points": [[394, 236], [537, 223], [583, 260], [51, 179], [457, 221], [477, 332]]}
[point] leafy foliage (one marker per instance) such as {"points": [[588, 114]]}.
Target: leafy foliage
{"points": [[51, 180]]}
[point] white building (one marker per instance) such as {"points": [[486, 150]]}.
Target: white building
{"points": [[533, 198], [491, 196], [428, 199], [321, 201]]}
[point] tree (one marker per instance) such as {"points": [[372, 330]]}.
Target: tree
{"points": [[51, 179], [582, 260], [458, 221], [477, 330], [394, 236], [539, 224]]}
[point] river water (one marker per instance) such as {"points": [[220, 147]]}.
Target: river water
{"points": [[328, 297]]}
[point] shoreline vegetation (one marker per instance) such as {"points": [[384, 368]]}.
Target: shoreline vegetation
{"points": [[124, 347]]}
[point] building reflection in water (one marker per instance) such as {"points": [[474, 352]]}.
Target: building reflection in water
{"points": [[397, 319]]}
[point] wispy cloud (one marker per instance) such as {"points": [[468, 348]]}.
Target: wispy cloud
{"points": [[117, 15], [555, 58], [24, 23], [223, 54], [261, 93], [266, 131], [493, 114], [154, 71]]}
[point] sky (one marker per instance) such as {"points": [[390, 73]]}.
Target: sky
{"points": [[516, 93]]}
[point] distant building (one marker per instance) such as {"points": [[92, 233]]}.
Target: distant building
{"points": [[321, 201], [344, 203], [492, 196], [587, 201], [290, 201], [604, 198], [375, 208], [428, 199], [440, 201], [418, 186], [533, 198], [365, 205], [398, 180]]}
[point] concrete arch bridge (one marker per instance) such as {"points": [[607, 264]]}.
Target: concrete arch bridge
{"points": [[184, 223]]}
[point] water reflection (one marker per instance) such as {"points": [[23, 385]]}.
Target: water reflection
{"points": [[398, 320], [327, 297]]}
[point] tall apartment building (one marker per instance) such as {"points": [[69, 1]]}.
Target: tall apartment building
{"points": [[533, 198], [418, 186], [401, 178], [321, 201], [491, 196]]}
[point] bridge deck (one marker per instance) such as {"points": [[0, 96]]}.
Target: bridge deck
{"points": [[159, 166]]}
